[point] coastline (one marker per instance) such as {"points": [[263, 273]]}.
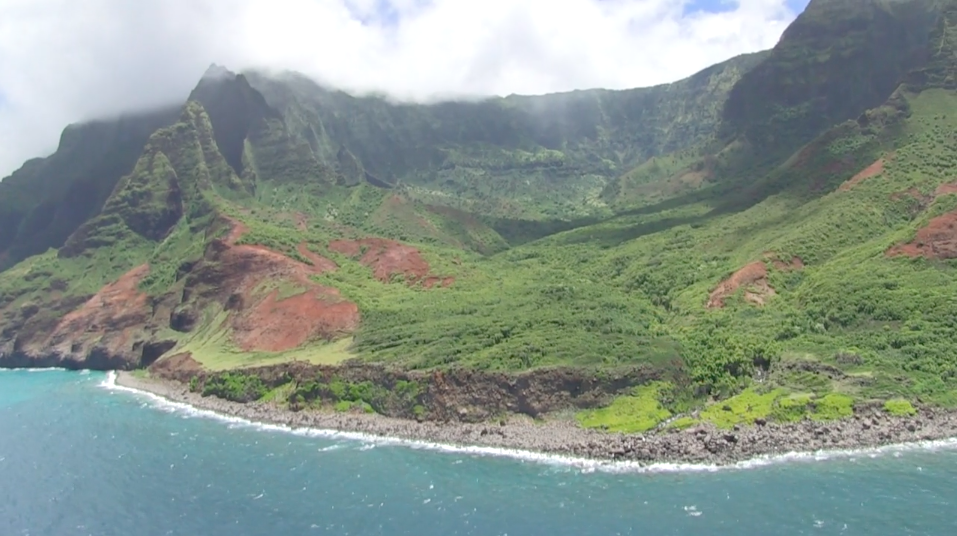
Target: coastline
{"points": [[699, 445]]}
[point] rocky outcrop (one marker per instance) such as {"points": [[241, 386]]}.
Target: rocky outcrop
{"points": [[107, 331]]}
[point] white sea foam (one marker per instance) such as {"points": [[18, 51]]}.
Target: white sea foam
{"points": [[585, 465], [49, 369]]}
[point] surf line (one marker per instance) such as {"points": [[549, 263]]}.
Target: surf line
{"points": [[586, 465], [45, 369]]}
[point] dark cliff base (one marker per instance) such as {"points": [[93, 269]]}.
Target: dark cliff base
{"points": [[702, 444], [456, 394]]}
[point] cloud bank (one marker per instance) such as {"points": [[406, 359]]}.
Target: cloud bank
{"points": [[64, 61]]}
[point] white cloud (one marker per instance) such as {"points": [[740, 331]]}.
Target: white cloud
{"points": [[64, 61]]}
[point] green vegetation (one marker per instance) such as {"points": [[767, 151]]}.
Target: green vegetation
{"points": [[343, 395], [717, 232], [236, 386], [899, 407], [743, 408], [627, 414], [279, 394], [682, 423], [832, 406], [790, 408]]}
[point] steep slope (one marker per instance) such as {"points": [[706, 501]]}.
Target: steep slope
{"points": [[171, 186], [531, 157], [835, 61], [789, 232], [252, 135], [43, 202]]}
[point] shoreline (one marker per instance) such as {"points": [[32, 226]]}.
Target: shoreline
{"points": [[702, 445]]}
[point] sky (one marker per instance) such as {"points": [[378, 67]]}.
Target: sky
{"points": [[63, 61]]}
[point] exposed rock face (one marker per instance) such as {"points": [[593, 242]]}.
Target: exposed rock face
{"points": [[103, 332]]}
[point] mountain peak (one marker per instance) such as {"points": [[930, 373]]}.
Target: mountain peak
{"points": [[217, 72]]}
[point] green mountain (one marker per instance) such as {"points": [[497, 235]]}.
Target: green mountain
{"points": [[780, 228]]}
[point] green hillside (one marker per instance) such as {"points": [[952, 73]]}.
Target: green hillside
{"points": [[775, 236]]}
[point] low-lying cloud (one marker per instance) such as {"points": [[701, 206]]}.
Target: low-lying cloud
{"points": [[64, 61]]}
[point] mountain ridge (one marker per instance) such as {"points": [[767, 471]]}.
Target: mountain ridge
{"points": [[659, 228]]}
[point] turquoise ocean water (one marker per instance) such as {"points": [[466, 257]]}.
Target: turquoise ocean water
{"points": [[80, 458]]}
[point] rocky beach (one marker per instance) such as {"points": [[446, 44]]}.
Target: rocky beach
{"points": [[701, 444]]}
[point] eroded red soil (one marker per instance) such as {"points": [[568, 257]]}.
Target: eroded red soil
{"points": [[318, 261], [753, 277], [388, 258], [937, 240], [870, 171], [911, 192], [109, 316], [261, 320], [945, 189], [274, 325], [236, 230]]}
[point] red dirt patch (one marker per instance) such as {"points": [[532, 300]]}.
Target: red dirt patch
{"points": [[262, 321], [302, 222], [114, 311], [937, 240], [872, 170], [753, 277], [388, 257], [275, 325], [267, 323], [945, 189], [236, 231], [318, 261]]}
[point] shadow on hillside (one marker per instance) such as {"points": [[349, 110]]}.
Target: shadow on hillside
{"points": [[519, 232], [723, 198], [612, 236]]}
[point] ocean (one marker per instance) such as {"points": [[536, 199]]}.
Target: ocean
{"points": [[79, 456]]}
